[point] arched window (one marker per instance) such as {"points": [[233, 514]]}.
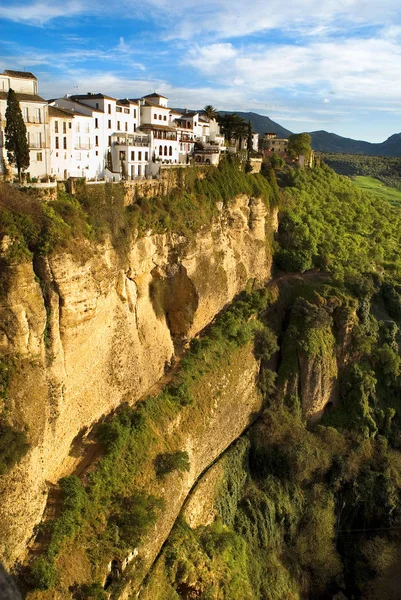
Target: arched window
{"points": [[170, 151], [160, 150], [165, 150]]}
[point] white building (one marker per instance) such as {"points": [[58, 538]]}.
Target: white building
{"points": [[156, 120], [61, 140], [119, 148], [35, 114]]}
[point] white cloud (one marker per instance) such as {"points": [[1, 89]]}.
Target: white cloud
{"points": [[365, 68], [39, 13]]}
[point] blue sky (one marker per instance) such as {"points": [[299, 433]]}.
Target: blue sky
{"points": [[308, 64]]}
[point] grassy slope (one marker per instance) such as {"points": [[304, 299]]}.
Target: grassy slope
{"points": [[371, 184]]}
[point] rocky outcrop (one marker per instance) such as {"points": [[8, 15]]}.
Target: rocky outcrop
{"points": [[92, 332]]}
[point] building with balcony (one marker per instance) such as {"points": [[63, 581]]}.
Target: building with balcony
{"points": [[130, 155], [35, 114], [272, 144]]}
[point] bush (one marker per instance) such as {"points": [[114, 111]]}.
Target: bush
{"points": [[171, 461], [13, 446], [43, 574]]}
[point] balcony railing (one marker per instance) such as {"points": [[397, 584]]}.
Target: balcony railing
{"points": [[36, 145], [33, 119], [83, 147], [132, 141]]}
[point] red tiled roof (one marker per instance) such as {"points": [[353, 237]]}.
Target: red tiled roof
{"points": [[20, 74], [23, 97]]}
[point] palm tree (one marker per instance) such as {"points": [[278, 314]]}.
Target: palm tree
{"points": [[210, 112]]}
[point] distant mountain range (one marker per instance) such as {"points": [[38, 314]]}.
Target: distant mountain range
{"points": [[323, 141]]}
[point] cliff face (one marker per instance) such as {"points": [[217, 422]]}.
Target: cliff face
{"points": [[87, 335]]}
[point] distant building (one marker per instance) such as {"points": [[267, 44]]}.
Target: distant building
{"points": [[35, 114], [272, 144]]}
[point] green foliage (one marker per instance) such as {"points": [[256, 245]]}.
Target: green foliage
{"points": [[92, 591], [136, 515], [232, 126], [171, 461], [43, 574], [16, 139], [13, 446], [383, 168], [299, 143], [329, 224]]}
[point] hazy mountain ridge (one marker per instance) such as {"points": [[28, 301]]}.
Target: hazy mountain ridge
{"points": [[324, 141]]}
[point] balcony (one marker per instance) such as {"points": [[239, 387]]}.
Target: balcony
{"points": [[33, 119], [83, 146], [141, 141], [36, 145]]}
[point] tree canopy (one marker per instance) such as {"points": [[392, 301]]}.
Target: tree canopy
{"points": [[16, 141], [210, 112], [233, 126], [299, 143]]}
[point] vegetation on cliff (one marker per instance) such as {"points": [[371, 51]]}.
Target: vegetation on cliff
{"points": [[108, 515], [34, 227], [314, 509]]}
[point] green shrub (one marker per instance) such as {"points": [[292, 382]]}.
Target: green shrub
{"points": [[92, 591], [13, 446], [43, 574], [171, 461]]}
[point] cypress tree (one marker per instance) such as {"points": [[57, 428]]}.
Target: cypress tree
{"points": [[16, 141]]}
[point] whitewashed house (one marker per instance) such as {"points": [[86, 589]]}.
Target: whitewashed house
{"points": [[35, 114], [61, 141], [155, 120]]}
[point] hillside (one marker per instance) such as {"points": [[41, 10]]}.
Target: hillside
{"points": [[324, 141], [261, 124]]}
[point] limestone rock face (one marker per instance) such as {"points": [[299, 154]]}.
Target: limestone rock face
{"points": [[89, 334]]}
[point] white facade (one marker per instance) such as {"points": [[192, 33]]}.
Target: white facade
{"points": [[61, 140], [35, 114], [156, 120]]}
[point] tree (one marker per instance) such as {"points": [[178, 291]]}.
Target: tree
{"points": [[233, 126], [16, 141], [299, 143], [210, 112], [249, 141]]}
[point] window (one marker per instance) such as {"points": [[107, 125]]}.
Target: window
{"points": [[118, 125], [55, 126], [109, 109], [70, 125], [146, 155], [139, 155], [122, 154], [160, 150], [119, 109], [126, 127], [97, 152], [64, 143], [170, 151], [96, 140], [64, 127], [38, 115], [160, 117], [96, 123], [126, 110], [155, 116], [164, 118], [39, 156], [134, 113], [134, 127], [109, 140], [132, 155], [165, 150], [26, 114], [109, 124], [56, 143]]}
